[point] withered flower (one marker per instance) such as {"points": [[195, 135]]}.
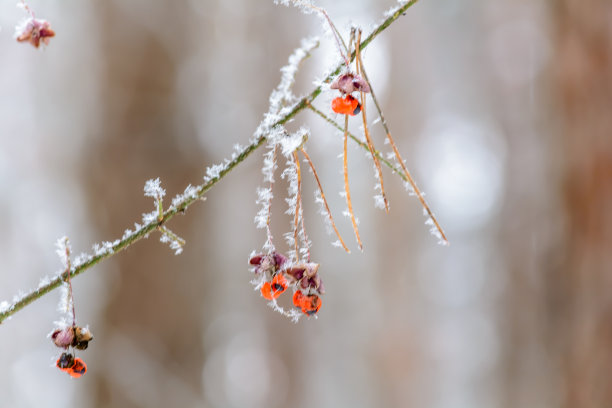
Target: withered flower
{"points": [[307, 277], [34, 31], [348, 83], [269, 264]]}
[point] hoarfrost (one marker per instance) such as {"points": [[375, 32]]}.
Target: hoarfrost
{"points": [[190, 193], [393, 10], [148, 218], [153, 189], [5, 306], [379, 201], [214, 171], [44, 281], [63, 248], [174, 243]]}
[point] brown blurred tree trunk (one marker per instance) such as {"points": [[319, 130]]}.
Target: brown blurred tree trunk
{"points": [[581, 307]]}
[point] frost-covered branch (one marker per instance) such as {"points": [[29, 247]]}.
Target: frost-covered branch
{"points": [[157, 219]]}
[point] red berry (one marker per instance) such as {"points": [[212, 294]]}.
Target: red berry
{"points": [[298, 298], [346, 106], [78, 369], [311, 304], [272, 290]]}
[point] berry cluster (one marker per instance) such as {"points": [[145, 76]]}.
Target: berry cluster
{"points": [[348, 83], [77, 338], [275, 274]]}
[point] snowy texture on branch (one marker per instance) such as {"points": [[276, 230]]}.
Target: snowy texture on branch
{"points": [[153, 189]]}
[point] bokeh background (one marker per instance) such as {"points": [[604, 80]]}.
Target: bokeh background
{"points": [[502, 110]]}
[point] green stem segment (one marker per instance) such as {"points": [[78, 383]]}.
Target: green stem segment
{"points": [[168, 214]]}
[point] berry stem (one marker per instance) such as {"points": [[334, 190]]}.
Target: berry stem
{"points": [[329, 214], [359, 68], [347, 190], [407, 175]]}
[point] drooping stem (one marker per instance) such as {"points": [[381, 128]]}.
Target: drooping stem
{"points": [[270, 242], [329, 214], [365, 126], [335, 32], [8, 310], [408, 176], [298, 204], [347, 191], [70, 300]]}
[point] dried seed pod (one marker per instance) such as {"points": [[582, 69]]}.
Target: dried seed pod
{"points": [[82, 337], [34, 31], [348, 83], [269, 264], [63, 338]]}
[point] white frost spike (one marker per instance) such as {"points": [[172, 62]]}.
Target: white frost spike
{"points": [[175, 242], [153, 189], [65, 303], [292, 142], [379, 201], [63, 249]]}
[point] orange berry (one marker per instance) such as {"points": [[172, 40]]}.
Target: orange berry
{"points": [[298, 298], [279, 284], [78, 369], [272, 290], [346, 106], [311, 304], [266, 291]]}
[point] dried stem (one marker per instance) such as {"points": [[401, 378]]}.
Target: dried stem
{"points": [[408, 176], [335, 32], [329, 214], [70, 299], [347, 191], [366, 132], [19, 303], [298, 204], [270, 243]]}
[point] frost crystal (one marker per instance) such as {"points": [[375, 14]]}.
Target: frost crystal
{"points": [[153, 189], [4, 306], [63, 249]]}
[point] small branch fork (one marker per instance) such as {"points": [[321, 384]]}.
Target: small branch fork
{"points": [[7, 310]]}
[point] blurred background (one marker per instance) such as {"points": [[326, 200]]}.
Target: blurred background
{"points": [[502, 110]]}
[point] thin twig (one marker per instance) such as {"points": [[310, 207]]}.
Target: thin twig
{"points": [[329, 214], [398, 157], [180, 207], [347, 191], [366, 132], [298, 204], [270, 242]]}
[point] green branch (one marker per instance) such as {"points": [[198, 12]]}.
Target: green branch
{"points": [[142, 232]]}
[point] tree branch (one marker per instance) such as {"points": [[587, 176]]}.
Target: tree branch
{"points": [[110, 249]]}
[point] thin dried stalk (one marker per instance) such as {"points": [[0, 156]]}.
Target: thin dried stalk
{"points": [[270, 243], [407, 175], [347, 191], [365, 126], [298, 204], [329, 214]]}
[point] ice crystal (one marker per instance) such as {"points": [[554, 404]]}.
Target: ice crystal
{"points": [[62, 250], [153, 189]]}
